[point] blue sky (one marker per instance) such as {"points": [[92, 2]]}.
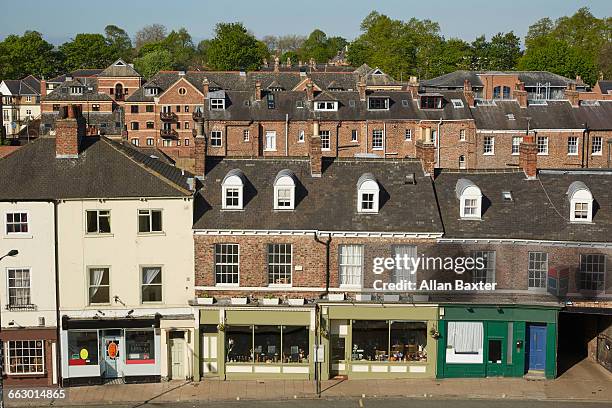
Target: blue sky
{"points": [[59, 20]]}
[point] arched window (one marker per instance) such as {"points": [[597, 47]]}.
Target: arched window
{"points": [[118, 91], [462, 162], [233, 190], [470, 199], [496, 92], [367, 194], [284, 190], [581, 202], [506, 92]]}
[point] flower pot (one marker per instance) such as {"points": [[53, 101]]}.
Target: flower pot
{"points": [[391, 298], [363, 297], [335, 297], [270, 301], [206, 301], [296, 302], [239, 301]]}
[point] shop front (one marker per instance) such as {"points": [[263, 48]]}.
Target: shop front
{"points": [[257, 342], [379, 340], [497, 341], [100, 350], [29, 356]]}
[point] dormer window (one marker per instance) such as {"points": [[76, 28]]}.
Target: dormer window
{"points": [[367, 194], [284, 190], [217, 104], [151, 91], [457, 103], [326, 106], [76, 90], [271, 101], [233, 190], [378, 103], [581, 202], [431, 102], [470, 199]]}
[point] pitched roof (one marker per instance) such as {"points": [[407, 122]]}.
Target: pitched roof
{"points": [[530, 78], [78, 73], [29, 85], [605, 86], [539, 209], [104, 169], [327, 203], [119, 68], [62, 92]]}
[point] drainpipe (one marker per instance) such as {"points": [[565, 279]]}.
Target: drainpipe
{"points": [[58, 353], [327, 257], [366, 136], [586, 139], [384, 140], [438, 140], [286, 135]]}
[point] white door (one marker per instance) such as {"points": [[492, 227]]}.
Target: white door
{"points": [[270, 140], [177, 355], [209, 354]]}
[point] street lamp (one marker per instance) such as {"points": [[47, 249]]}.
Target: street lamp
{"points": [[12, 252]]}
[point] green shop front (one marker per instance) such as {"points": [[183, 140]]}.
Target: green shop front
{"points": [[374, 340], [497, 341], [257, 342]]}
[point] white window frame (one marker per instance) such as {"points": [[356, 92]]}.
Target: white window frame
{"points": [[537, 270], [150, 141], [216, 138], [246, 135], [284, 183], [10, 287], [542, 145], [135, 141], [9, 352], [142, 284], [378, 135], [325, 136], [354, 135], [488, 146], [407, 135], [167, 143], [270, 145], [516, 147], [471, 195], [301, 136], [581, 198], [457, 103], [326, 106], [350, 266], [404, 274], [462, 162], [271, 265], [489, 270], [98, 216], [89, 284], [369, 187], [462, 135], [572, 145], [222, 253], [27, 223], [386, 104], [148, 212], [217, 104], [597, 146]]}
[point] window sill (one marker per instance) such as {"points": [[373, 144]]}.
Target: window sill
{"points": [[232, 209], [227, 285], [300, 141], [352, 287], [280, 285], [515, 154], [271, 150], [102, 235], [160, 302], [377, 148], [326, 150], [542, 154], [596, 154], [354, 141], [18, 236], [488, 154], [152, 234], [572, 154]]}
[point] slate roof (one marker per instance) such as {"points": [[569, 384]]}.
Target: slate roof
{"points": [[119, 68], [29, 85], [538, 211], [326, 203], [605, 86], [553, 115], [530, 78], [79, 73], [62, 92], [454, 80], [108, 123], [104, 169]]}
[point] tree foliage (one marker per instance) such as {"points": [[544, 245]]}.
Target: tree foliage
{"points": [[88, 51], [234, 48], [28, 54], [153, 62], [119, 41], [149, 34]]}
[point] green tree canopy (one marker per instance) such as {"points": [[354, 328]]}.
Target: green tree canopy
{"points": [[88, 51], [500, 54], [153, 62], [119, 41], [28, 54], [234, 48], [320, 47]]}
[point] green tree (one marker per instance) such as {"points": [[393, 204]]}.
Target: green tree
{"points": [[320, 47], [200, 58], [149, 34], [119, 41], [450, 55], [28, 54], [234, 48], [153, 62], [88, 51], [180, 46], [500, 54]]}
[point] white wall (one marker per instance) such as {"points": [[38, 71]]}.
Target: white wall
{"points": [[124, 251], [37, 252]]}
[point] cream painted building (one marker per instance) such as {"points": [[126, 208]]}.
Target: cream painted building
{"points": [[20, 104]]}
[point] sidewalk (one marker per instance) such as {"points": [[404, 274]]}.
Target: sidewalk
{"points": [[596, 385]]}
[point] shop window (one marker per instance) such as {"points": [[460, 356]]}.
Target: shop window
{"points": [[140, 347], [82, 348], [18, 287], [239, 344], [370, 340], [99, 285], [149, 221], [383, 340], [408, 341], [267, 344], [295, 344], [151, 284], [227, 264], [98, 222], [25, 357], [465, 342]]}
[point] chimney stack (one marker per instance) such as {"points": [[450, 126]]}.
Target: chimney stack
{"points": [[528, 157], [426, 153], [288, 62], [312, 63], [276, 63], [258, 91], [468, 93], [361, 87], [67, 137], [572, 95], [265, 62], [413, 86], [520, 94], [43, 88], [205, 87], [315, 155], [309, 91], [200, 151]]}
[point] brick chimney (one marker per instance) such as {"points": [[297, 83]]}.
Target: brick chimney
{"points": [[426, 153], [520, 94], [288, 62], [312, 63], [43, 88], [67, 134], [258, 91], [276, 64], [528, 157], [265, 62], [361, 87], [468, 93], [316, 159], [413, 86], [205, 87], [200, 151], [572, 95], [309, 91]]}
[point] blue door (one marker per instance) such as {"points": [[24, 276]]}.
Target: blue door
{"points": [[537, 347]]}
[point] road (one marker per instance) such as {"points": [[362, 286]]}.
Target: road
{"points": [[372, 403]]}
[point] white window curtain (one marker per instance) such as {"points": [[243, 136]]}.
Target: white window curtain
{"points": [[465, 337], [97, 274], [150, 274], [405, 274]]}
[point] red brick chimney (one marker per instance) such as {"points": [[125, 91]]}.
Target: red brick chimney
{"points": [[67, 137], [200, 152], [426, 153], [528, 156], [276, 64], [572, 95], [361, 87], [309, 91], [520, 94], [468, 93], [205, 87], [258, 91], [316, 159], [413, 86], [43, 88]]}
